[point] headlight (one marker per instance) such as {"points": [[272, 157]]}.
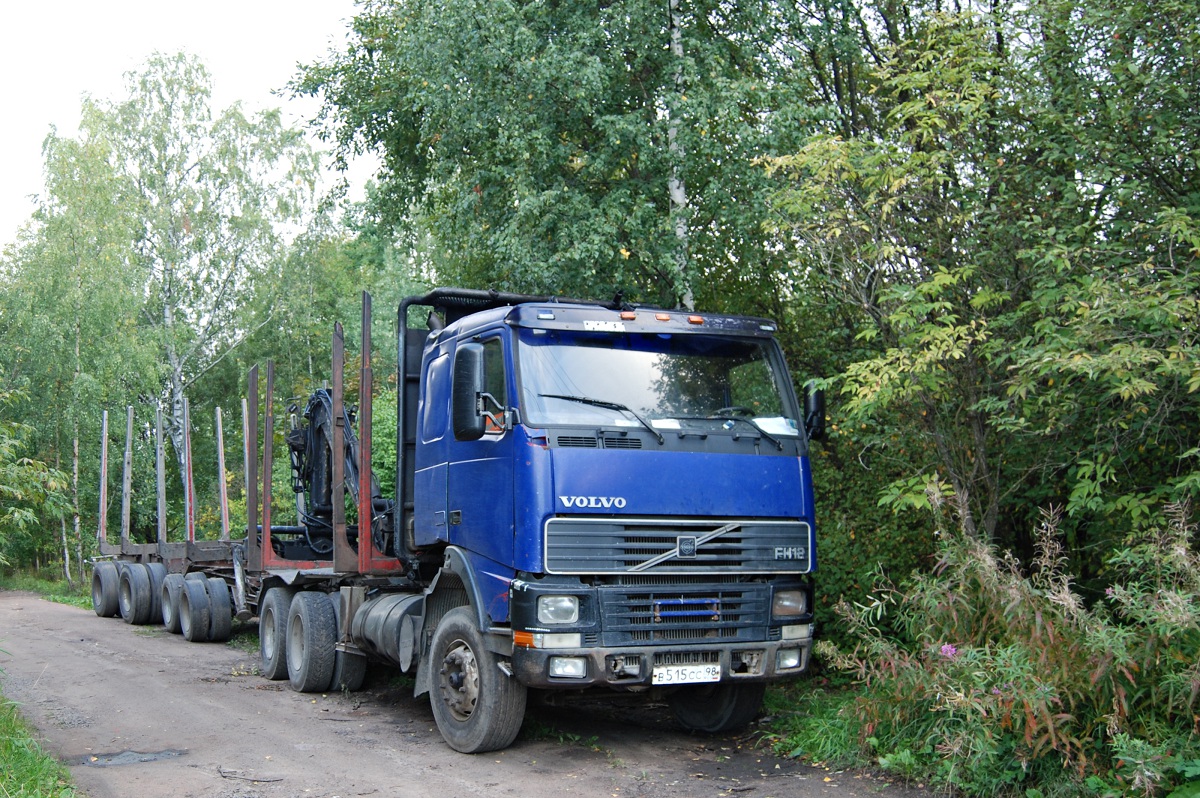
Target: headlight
{"points": [[789, 604], [558, 609]]}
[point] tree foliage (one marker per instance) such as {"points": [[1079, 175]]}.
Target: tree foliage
{"points": [[1021, 263], [528, 139]]}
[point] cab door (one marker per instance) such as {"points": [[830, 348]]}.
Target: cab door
{"points": [[480, 472]]}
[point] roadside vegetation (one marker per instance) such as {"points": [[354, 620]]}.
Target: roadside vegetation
{"points": [[26, 771], [979, 222]]}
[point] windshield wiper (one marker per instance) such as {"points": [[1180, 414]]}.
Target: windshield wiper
{"points": [[750, 421], [587, 400]]}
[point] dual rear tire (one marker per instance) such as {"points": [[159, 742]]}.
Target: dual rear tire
{"points": [[297, 637]]}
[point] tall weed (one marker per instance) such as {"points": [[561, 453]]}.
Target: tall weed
{"points": [[990, 677]]}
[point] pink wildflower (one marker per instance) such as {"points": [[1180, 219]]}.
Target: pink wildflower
{"points": [[949, 651]]}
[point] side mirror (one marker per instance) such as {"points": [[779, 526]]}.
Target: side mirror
{"points": [[468, 384], [814, 411]]}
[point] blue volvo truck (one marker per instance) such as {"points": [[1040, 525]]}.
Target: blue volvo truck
{"points": [[587, 496]]}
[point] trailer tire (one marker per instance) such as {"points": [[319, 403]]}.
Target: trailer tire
{"points": [[133, 594], [158, 572], [169, 599], [195, 615], [105, 599], [272, 633], [477, 706], [717, 708], [221, 609], [311, 637]]}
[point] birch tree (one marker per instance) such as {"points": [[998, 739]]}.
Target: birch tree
{"points": [[213, 196]]}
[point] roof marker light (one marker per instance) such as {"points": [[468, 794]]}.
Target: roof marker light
{"points": [[545, 315], [628, 315], [695, 319], [767, 327], [663, 316]]}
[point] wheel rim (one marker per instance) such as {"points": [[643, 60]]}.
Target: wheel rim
{"points": [[295, 641], [459, 680], [125, 597], [267, 630]]}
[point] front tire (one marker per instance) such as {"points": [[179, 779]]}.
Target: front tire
{"points": [[477, 706], [717, 708]]}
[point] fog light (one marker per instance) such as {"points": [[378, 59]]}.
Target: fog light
{"points": [[787, 659], [789, 603], [797, 632], [558, 609], [568, 667]]}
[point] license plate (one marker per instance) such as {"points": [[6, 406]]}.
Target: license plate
{"points": [[686, 674]]}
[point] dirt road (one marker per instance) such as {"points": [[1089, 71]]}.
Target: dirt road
{"points": [[135, 711]]}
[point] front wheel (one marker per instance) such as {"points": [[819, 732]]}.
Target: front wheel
{"points": [[477, 706], [717, 708]]}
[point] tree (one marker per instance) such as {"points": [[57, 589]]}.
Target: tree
{"points": [[1026, 282], [212, 198], [29, 490], [534, 142]]}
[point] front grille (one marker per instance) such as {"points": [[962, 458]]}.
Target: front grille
{"points": [[683, 614], [577, 545]]}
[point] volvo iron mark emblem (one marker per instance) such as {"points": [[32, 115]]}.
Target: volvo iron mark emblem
{"points": [[685, 545]]}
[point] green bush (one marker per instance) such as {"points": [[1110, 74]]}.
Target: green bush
{"points": [[991, 678]]}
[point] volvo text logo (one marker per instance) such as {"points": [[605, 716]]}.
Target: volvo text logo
{"points": [[593, 502]]}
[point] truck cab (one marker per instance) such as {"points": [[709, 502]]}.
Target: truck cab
{"points": [[620, 496]]}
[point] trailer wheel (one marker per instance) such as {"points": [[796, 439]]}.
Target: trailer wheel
{"points": [[105, 600], [133, 594], [220, 608], [195, 615], [311, 637], [172, 586], [477, 706], [272, 633], [717, 708], [158, 572]]}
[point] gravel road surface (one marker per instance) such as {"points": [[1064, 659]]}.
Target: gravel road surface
{"points": [[135, 711]]}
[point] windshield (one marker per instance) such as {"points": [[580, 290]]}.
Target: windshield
{"points": [[668, 381]]}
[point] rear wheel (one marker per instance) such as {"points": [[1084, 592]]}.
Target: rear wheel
{"points": [[105, 600], [717, 708], [311, 637], [195, 615], [157, 572], [220, 608], [169, 598], [133, 594], [477, 706], [272, 633]]}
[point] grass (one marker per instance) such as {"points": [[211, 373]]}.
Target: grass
{"points": [[814, 720], [25, 770], [51, 588]]}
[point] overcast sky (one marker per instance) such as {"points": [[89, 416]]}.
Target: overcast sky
{"points": [[54, 52]]}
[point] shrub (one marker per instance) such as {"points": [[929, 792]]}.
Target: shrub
{"points": [[988, 677]]}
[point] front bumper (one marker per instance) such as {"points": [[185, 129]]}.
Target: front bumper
{"points": [[634, 666]]}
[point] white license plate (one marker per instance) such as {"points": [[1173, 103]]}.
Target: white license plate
{"points": [[686, 674]]}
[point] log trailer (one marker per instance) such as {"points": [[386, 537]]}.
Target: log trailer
{"points": [[587, 495]]}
